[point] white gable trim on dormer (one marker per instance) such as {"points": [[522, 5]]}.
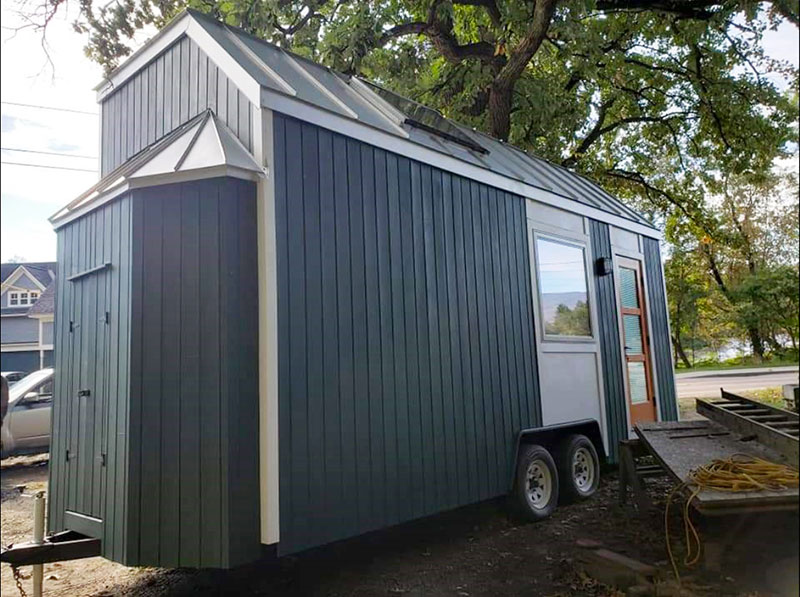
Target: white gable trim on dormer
{"points": [[18, 273], [183, 24]]}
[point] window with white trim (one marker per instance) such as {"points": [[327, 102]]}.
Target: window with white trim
{"points": [[22, 299], [563, 292]]}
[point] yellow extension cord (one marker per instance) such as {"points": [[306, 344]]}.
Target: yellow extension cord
{"points": [[739, 473]]}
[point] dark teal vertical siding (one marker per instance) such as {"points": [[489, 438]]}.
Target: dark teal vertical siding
{"points": [[662, 355], [193, 495], [173, 375], [176, 85], [406, 354], [608, 325], [94, 356]]}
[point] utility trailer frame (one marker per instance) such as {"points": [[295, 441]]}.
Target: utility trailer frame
{"points": [[737, 426]]}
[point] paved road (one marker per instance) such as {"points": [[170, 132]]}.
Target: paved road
{"points": [[707, 385]]}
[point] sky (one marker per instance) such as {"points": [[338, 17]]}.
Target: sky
{"points": [[29, 195]]}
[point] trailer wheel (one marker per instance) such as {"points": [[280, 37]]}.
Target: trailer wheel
{"points": [[536, 487], [578, 468]]}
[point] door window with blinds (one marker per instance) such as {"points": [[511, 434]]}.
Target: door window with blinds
{"points": [[637, 362], [563, 293]]}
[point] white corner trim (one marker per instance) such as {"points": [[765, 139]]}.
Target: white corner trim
{"points": [[185, 24], [368, 134], [150, 50], [267, 332]]}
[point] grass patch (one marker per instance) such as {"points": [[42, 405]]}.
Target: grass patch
{"points": [[772, 396], [745, 362]]}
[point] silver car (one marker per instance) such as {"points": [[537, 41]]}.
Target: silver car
{"points": [[13, 377], [26, 426]]}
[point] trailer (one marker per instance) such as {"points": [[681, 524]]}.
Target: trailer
{"points": [[298, 307]]}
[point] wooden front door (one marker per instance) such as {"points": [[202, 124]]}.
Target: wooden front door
{"points": [[638, 370]]}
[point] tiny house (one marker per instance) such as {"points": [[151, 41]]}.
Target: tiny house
{"points": [[298, 307]]}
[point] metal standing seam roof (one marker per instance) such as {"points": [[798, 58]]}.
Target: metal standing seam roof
{"points": [[202, 142], [283, 72]]}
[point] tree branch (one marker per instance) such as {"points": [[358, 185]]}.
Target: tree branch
{"points": [[490, 6]]}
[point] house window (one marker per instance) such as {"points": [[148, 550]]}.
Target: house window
{"points": [[22, 299], [563, 291]]}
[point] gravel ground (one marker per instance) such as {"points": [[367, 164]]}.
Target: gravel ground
{"points": [[475, 550]]}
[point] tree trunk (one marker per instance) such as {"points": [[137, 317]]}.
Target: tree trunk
{"points": [[500, 111], [757, 342], [676, 342]]}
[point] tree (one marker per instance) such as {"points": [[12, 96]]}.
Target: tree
{"points": [[652, 98], [751, 257], [570, 322], [686, 286]]}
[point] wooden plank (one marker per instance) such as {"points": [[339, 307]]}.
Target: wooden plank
{"points": [[111, 508], [418, 194], [191, 430], [679, 457], [229, 371], [331, 409], [497, 317], [151, 422], [409, 189], [182, 77], [480, 348], [430, 348], [296, 343], [314, 425], [194, 68], [166, 91], [451, 193], [774, 438], [490, 356], [168, 335], [374, 421], [450, 483], [464, 384], [388, 392], [211, 480], [397, 182]]}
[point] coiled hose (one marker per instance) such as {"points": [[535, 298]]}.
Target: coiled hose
{"points": [[739, 473]]}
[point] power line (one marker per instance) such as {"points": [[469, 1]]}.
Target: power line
{"points": [[68, 155], [50, 108], [50, 167]]}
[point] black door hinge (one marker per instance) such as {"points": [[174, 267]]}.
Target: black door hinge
{"points": [[67, 455], [102, 459], [106, 318]]}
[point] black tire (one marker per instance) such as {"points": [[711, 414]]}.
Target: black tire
{"points": [[578, 468], [535, 493]]}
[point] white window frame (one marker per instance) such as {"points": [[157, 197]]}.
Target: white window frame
{"points": [[23, 298], [570, 242]]}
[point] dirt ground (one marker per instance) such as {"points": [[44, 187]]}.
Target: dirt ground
{"points": [[475, 550]]}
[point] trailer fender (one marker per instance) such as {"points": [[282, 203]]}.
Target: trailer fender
{"points": [[549, 436]]}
